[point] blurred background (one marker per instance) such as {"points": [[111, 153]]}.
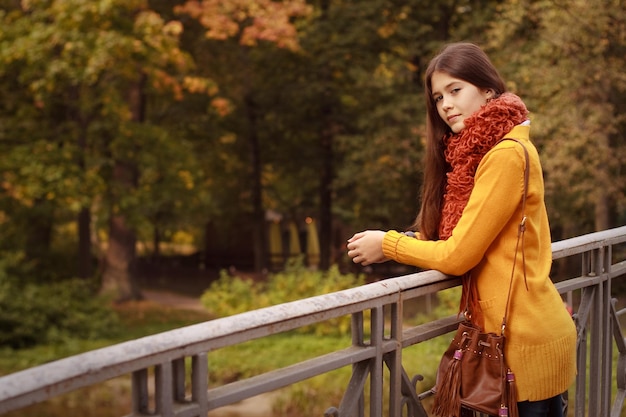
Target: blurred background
{"points": [[169, 145], [153, 144]]}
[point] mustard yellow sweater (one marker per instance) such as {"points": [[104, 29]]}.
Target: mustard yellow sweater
{"points": [[541, 336]]}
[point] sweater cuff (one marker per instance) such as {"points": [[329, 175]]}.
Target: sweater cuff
{"points": [[390, 244]]}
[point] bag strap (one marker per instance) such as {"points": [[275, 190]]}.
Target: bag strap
{"points": [[520, 234]]}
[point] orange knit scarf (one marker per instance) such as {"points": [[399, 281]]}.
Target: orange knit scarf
{"points": [[463, 153]]}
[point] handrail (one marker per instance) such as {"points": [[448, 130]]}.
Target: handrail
{"points": [[166, 352], [584, 243]]}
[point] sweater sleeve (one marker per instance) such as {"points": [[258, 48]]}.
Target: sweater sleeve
{"points": [[498, 186]]}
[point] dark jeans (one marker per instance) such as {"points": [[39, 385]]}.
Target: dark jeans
{"points": [[552, 407]]}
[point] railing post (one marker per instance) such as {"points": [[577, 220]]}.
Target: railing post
{"points": [[395, 360], [598, 263], [620, 372], [200, 382], [358, 340], [376, 363], [178, 374], [596, 342], [581, 378], [140, 392], [607, 322], [164, 390]]}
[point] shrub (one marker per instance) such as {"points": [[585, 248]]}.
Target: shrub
{"points": [[32, 314], [232, 294]]}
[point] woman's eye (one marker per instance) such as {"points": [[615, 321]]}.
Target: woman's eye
{"points": [[438, 99], [455, 90]]}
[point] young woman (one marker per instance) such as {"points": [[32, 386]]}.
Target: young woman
{"points": [[469, 218]]}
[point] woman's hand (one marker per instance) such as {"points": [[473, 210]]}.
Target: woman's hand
{"points": [[366, 247]]}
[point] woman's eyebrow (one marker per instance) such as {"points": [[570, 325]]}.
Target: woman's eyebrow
{"points": [[446, 87]]}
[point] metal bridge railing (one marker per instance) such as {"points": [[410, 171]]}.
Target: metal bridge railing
{"points": [[164, 355]]}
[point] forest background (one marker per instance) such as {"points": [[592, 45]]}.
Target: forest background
{"points": [[132, 130]]}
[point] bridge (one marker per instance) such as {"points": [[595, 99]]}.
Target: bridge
{"points": [[169, 371]]}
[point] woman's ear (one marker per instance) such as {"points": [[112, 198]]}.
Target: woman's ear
{"points": [[489, 94]]}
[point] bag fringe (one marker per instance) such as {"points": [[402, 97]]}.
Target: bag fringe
{"points": [[511, 391], [448, 399]]}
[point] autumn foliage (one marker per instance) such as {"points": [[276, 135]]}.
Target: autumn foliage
{"points": [[250, 21], [135, 130]]}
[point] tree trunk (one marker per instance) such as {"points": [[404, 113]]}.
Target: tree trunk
{"points": [[325, 193], [258, 233], [84, 243], [38, 232], [156, 243], [84, 216], [602, 211], [327, 171], [118, 278], [75, 114], [602, 198]]}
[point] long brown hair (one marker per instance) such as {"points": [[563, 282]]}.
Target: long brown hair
{"points": [[467, 62]]}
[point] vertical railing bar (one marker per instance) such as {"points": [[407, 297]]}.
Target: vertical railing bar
{"points": [[595, 360], [620, 371], [397, 318], [200, 382], [581, 377], [607, 357], [179, 375], [584, 270], [582, 322], [395, 362], [618, 335], [616, 411], [410, 397], [163, 390], [581, 391], [570, 298], [357, 329], [376, 363], [358, 337], [584, 309], [361, 401], [353, 397], [592, 263], [139, 394], [384, 313]]}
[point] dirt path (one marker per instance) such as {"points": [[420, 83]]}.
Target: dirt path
{"points": [[171, 299], [259, 406]]}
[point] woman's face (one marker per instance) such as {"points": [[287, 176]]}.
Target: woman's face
{"points": [[456, 99]]}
